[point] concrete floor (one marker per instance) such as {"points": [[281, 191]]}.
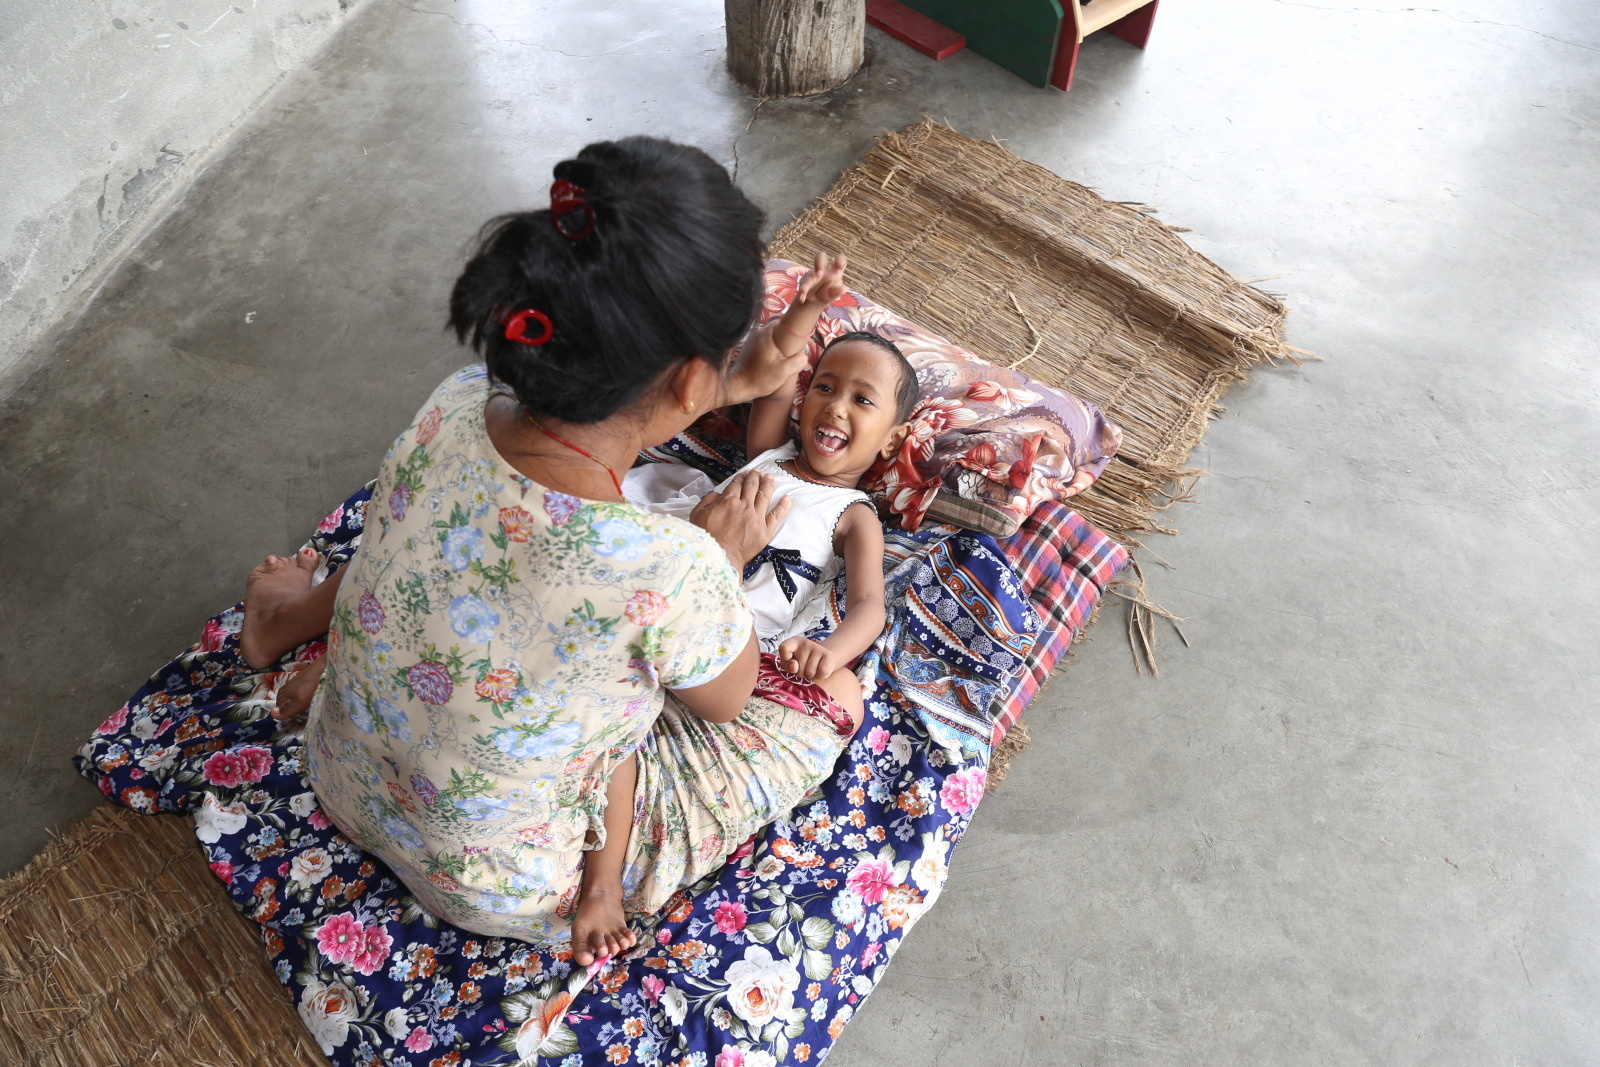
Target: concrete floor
{"points": [[1353, 822]]}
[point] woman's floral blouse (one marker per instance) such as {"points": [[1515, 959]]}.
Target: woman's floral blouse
{"points": [[497, 649]]}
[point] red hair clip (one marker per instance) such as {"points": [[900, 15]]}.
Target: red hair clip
{"points": [[517, 327], [570, 213]]}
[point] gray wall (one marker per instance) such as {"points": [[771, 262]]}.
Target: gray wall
{"points": [[107, 107]]}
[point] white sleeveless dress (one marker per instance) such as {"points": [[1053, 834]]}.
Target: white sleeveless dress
{"points": [[786, 585]]}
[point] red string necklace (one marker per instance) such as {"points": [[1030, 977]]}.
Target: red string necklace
{"points": [[580, 450]]}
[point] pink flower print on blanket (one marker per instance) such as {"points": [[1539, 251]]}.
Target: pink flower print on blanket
{"points": [[730, 917], [241, 766], [871, 880], [344, 939], [962, 790]]}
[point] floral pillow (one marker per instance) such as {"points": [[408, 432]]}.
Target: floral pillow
{"points": [[987, 444]]}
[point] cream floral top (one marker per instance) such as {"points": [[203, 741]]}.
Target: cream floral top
{"points": [[497, 648]]}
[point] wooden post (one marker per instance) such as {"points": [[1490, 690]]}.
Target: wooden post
{"points": [[794, 47]]}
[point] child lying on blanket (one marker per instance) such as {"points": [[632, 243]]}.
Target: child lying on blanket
{"points": [[854, 412], [861, 392]]}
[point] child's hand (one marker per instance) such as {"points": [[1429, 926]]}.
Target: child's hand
{"points": [[824, 284], [807, 658]]}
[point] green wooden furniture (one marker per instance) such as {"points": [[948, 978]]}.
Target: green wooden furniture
{"points": [[1020, 35], [1039, 39]]}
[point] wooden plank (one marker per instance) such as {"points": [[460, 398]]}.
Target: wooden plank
{"points": [[1098, 14], [915, 29]]}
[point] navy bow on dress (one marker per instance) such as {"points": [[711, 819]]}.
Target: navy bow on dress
{"points": [[783, 561]]}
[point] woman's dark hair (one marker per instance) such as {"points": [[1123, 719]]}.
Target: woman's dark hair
{"points": [[906, 392], [672, 269]]}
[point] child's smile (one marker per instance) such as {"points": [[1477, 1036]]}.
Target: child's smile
{"points": [[830, 441], [848, 415]]}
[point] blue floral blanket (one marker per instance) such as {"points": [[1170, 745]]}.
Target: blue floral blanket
{"points": [[764, 963]]}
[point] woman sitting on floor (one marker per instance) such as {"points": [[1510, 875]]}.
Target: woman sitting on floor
{"points": [[531, 684]]}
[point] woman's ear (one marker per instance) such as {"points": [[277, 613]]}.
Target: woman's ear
{"points": [[897, 437], [692, 385]]}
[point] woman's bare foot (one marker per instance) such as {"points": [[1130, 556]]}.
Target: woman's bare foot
{"points": [[294, 695], [599, 928], [269, 629]]}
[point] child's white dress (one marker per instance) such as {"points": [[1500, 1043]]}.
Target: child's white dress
{"points": [[786, 583]]}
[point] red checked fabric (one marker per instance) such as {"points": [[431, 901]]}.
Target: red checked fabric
{"points": [[1065, 563]]}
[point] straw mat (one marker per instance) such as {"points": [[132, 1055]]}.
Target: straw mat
{"points": [[118, 947], [1034, 272]]}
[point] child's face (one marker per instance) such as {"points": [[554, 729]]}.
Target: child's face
{"points": [[847, 418]]}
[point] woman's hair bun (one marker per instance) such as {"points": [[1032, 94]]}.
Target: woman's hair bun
{"points": [[672, 269]]}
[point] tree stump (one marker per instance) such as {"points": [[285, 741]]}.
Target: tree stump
{"points": [[794, 47]]}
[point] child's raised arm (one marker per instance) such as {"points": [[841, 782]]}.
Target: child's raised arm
{"points": [[860, 541], [769, 414]]}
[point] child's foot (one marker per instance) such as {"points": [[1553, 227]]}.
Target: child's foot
{"points": [[271, 586], [599, 927]]}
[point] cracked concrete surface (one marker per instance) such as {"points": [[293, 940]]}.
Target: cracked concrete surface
{"points": [[1353, 822], [93, 106]]}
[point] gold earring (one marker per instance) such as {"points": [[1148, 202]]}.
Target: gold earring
{"points": [[688, 408]]}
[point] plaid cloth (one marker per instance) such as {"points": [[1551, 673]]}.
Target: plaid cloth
{"points": [[1065, 564]]}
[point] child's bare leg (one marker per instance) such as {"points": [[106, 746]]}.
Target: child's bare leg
{"points": [[845, 690], [600, 928], [283, 609]]}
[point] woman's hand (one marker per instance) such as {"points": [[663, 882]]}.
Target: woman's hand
{"points": [[765, 363], [294, 695], [742, 517], [761, 369]]}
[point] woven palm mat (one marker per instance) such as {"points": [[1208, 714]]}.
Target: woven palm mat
{"points": [[1034, 272], [118, 947]]}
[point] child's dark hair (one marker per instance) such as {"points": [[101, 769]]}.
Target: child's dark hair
{"points": [[906, 392], [672, 269]]}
